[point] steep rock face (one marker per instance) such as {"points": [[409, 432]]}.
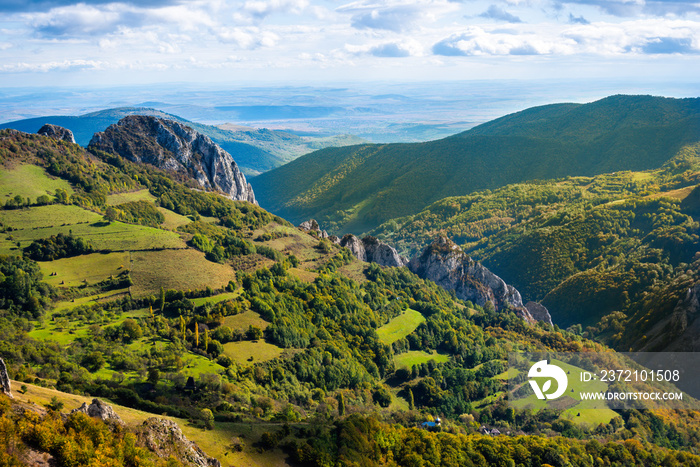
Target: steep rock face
{"points": [[165, 438], [175, 147], [99, 409], [373, 251], [539, 312], [57, 132], [312, 226], [448, 266], [680, 331], [5, 380]]}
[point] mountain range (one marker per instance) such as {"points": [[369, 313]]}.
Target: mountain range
{"points": [[255, 150], [356, 188], [126, 276]]}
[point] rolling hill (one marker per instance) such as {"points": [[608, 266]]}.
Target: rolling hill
{"points": [[255, 150], [356, 188], [275, 346]]}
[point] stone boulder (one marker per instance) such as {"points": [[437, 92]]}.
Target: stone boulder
{"points": [[5, 380], [101, 410], [165, 439]]}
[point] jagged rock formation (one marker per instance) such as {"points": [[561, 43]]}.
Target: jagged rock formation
{"points": [[680, 331], [539, 312], [175, 147], [165, 438], [373, 251], [312, 226], [444, 263], [57, 132], [5, 380], [99, 409]]}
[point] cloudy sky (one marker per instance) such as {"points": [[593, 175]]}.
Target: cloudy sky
{"points": [[60, 42]]}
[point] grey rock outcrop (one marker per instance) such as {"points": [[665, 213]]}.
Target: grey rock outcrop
{"points": [[312, 226], [373, 251], [679, 331], [164, 438], [99, 409], [5, 380], [539, 312], [444, 263], [57, 132], [174, 147]]}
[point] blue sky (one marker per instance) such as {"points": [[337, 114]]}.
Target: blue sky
{"points": [[62, 42]]}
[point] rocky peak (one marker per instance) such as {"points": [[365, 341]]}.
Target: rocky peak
{"points": [[57, 132], [174, 147], [444, 263], [166, 439], [99, 409], [372, 250], [5, 380], [312, 226]]}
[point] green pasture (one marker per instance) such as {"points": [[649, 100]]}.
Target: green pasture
{"points": [[29, 181], [417, 357], [580, 412], [44, 221], [93, 268], [217, 298], [400, 327], [121, 198], [185, 269], [244, 320], [252, 352]]}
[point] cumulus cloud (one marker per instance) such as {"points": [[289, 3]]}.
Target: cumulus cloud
{"points": [[494, 12], [603, 39], [478, 42], [395, 16], [629, 8], [262, 8], [406, 48], [20, 6]]}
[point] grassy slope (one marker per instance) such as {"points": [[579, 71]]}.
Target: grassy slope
{"points": [[216, 443], [355, 189], [400, 327]]}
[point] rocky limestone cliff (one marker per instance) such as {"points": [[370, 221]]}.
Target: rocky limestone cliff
{"points": [[680, 331], [175, 147], [5, 380], [165, 438], [312, 226], [539, 312], [99, 409], [373, 251], [444, 263], [57, 132]]}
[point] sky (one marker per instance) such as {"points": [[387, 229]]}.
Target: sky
{"points": [[63, 42]]}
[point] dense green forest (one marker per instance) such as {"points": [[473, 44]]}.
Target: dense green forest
{"points": [[274, 345], [591, 249], [354, 189]]}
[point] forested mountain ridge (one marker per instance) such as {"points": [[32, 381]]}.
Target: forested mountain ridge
{"points": [[256, 150], [354, 189], [275, 344], [615, 252]]}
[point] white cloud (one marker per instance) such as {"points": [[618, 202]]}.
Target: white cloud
{"points": [[394, 15], [263, 8], [397, 49]]}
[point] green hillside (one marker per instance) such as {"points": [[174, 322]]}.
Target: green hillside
{"points": [[254, 150], [298, 354], [354, 189], [594, 250]]}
